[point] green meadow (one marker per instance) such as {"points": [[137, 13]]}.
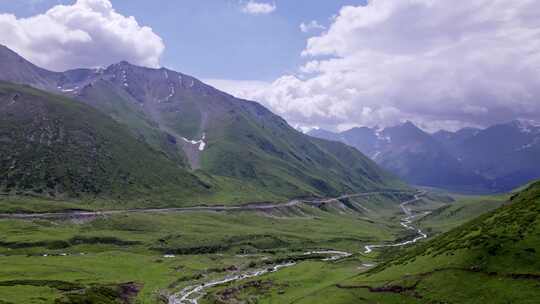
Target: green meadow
{"points": [[143, 258]]}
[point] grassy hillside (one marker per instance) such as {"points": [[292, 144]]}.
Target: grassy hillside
{"points": [[209, 131], [494, 258], [254, 144], [491, 259], [505, 240], [119, 105], [54, 146], [462, 210], [243, 140]]}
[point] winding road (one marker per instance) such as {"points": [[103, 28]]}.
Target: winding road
{"points": [[406, 222], [247, 207]]}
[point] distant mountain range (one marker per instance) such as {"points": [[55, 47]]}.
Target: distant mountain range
{"points": [[498, 158], [156, 119]]}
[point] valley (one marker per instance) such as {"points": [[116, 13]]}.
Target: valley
{"points": [[132, 183], [406, 222], [192, 247], [245, 146], [455, 267]]}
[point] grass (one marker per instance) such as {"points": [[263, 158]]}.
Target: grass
{"points": [[54, 147], [30, 204], [103, 268], [439, 287], [298, 228], [460, 211], [121, 107], [130, 248], [291, 284], [265, 150], [100, 254], [493, 258]]}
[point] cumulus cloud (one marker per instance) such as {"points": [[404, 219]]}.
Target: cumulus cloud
{"points": [[258, 8], [310, 26], [88, 33], [442, 64], [239, 88]]}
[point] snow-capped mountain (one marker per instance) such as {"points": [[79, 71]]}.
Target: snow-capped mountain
{"points": [[497, 158]]}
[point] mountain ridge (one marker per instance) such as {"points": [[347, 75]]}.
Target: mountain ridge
{"points": [[211, 132], [495, 159]]}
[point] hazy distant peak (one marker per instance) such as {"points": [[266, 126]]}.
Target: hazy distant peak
{"points": [[526, 124]]}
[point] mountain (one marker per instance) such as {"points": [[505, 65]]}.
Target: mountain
{"points": [[408, 152], [207, 131], [507, 155], [51, 145], [495, 159], [364, 139], [496, 257], [418, 157], [451, 141], [328, 135], [16, 69]]}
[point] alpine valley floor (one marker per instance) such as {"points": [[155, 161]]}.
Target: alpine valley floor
{"points": [[139, 257]]}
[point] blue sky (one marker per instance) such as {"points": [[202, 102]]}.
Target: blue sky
{"points": [[213, 38], [441, 64]]}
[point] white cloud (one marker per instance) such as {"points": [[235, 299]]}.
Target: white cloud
{"points": [[438, 63], [246, 89], [258, 8], [310, 26], [88, 33]]}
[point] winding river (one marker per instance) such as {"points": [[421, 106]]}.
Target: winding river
{"points": [[406, 222], [192, 294]]}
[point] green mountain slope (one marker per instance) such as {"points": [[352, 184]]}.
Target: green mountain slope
{"points": [[229, 137], [214, 133], [492, 259], [505, 240], [54, 146]]}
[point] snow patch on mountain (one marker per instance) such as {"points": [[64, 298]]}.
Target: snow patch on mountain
{"points": [[171, 94], [124, 78], [201, 143], [71, 90], [527, 126], [382, 137]]}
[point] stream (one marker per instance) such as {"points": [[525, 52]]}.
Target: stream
{"points": [[406, 222], [192, 294]]}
